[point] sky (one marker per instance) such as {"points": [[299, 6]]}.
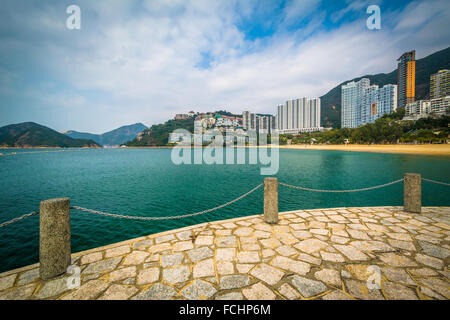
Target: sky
{"points": [[146, 60]]}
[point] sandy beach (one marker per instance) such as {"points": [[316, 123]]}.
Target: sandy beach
{"points": [[426, 149]]}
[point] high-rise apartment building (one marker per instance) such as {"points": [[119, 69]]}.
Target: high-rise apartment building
{"points": [[273, 123], [298, 115], [440, 106], [245, 119], [251, 121], [406, 78], [352, 93], [364, 103], [440, 84], [417, 109], [248, 120]]}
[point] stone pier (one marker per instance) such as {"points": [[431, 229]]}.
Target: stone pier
{"points": [[331, 254]]}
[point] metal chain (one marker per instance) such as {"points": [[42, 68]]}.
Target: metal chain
{"points": [[3, 224], [438, 182], [354, 190], [165, 218]]}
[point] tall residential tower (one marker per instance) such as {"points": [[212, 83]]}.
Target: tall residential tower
{"points": [[406, 78], [252, 121], [440, 84], [364, 103], [299, 115], [352, 94]]}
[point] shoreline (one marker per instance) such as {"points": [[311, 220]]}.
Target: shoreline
{"points": [[422, 149]]}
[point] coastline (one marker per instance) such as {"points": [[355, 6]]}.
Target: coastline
{"points": [[424, 149]]}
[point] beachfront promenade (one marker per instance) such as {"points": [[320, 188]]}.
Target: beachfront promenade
{"points": [[342, 253]]}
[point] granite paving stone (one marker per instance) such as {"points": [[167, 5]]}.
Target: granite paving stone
{"points": [[103, 265], [395, 291], [329, 276], [231, 296], [204, 268], [266, 273], [158, 291], [28, 277], [136, 257], [308, 287], [7, 281], [147, 276], [234, 281], [118, 292], [287, 291], [199, 290], [176, 274], [117, 251], [258, 292], [123, 273], [170, 260]]}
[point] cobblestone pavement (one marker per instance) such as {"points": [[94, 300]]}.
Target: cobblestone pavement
{"points": [[344, 253]]}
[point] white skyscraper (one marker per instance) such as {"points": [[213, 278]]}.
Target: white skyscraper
{"points": [[248, 120], [351, 94], [364, 103], [299, 115], [252, 121]]}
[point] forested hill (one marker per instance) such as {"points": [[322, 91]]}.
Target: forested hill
{"points": [[30, 134], [158, 134]]}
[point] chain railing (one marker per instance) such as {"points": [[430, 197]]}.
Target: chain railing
{"points": [[3, 224], [436, 182], [337, 191], [169, 217], [137, 217]]}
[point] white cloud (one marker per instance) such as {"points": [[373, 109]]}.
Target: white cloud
{"points": [[352, 6], [297, 10], [417, 13]]}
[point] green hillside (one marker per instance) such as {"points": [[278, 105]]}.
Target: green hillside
{"points": [[331, 102], [30, 134], [158, 134]]}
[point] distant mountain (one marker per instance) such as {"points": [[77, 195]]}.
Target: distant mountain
{"points": [[30, 134], [111, 138], [331, 102]]}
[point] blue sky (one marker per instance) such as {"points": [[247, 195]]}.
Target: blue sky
{"points": [[145, 60]]}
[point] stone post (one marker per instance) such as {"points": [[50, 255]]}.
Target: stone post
{"points": [[271, 200], [412, 194], [54, 237]]}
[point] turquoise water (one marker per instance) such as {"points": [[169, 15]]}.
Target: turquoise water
{"points": [[144, 182]]}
